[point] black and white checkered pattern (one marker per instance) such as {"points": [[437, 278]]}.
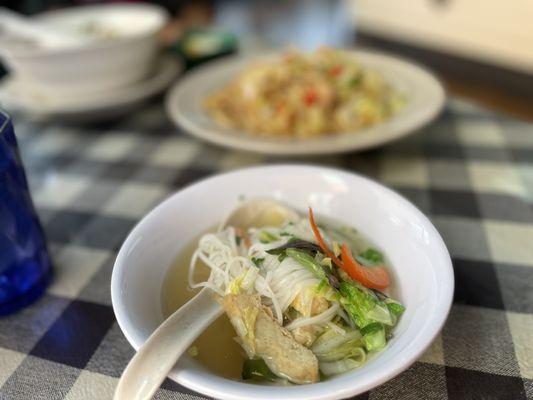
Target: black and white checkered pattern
{"points": [[471, 172]]}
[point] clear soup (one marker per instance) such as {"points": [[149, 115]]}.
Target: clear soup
{"points": [[216, 348]]}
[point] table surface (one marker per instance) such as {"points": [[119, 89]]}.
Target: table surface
{"points": [[471, 172]]}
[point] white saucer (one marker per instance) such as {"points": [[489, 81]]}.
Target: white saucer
{"points": [[20, 97]]}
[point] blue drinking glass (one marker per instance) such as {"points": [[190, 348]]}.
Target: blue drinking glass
{"points": [[25, 267]]}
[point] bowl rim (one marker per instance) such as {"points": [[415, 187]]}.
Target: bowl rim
{"points": [[329, 389], [35, 53]]}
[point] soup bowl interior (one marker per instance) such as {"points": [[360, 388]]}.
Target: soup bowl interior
{"points": [[422, 274]]}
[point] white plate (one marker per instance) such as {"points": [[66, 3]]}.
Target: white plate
{"points": [[425, 99], [422, 274], [16, 96]]}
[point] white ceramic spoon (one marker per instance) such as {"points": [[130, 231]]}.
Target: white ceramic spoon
{"points": [[21, 26], [156, 357]]}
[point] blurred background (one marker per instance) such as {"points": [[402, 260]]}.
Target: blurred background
{"points": [[483, 53]]}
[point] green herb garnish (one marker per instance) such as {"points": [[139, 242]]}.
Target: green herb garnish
{"points": [[267, 237], [258, 261], [257, 370], [370, 257]]}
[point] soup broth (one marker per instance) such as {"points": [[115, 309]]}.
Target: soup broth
{"points": [[217, 350]]}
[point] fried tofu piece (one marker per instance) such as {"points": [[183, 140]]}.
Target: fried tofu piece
{"points": [[263, 337]]}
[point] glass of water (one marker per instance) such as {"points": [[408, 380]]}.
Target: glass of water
{"points": [[24, 262]]}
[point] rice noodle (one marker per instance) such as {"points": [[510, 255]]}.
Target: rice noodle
{"points": [[278, 283], [341, 313]]}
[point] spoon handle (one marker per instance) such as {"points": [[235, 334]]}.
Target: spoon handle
{"points": [[28, 28], [156, 357]]}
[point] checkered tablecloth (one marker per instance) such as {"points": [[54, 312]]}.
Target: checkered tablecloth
{"points": [[471, 172]]}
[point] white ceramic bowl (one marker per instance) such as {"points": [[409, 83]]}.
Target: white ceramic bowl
{"points": [[96, 66], [422, 274]]}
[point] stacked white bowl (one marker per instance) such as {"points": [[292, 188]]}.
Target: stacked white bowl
{"points": [[84, 63], [116, 49]]}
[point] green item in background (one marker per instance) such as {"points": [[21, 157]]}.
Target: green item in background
{"points": [[199, 45]]}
